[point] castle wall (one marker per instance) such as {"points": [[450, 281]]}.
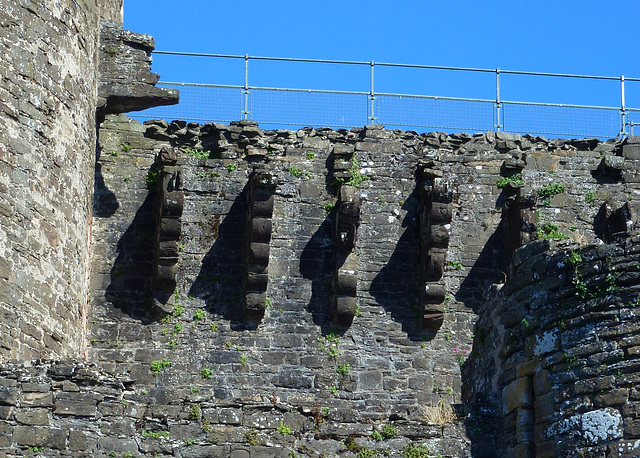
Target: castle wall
{"points": [[555, 354], [289, 359], [48, 95]]}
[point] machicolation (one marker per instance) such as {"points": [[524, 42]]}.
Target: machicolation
{"points": [[212, 290]]}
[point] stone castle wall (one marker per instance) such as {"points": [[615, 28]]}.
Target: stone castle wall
{"points": [[47, 141], [244, 292], [292, 354], [554, 360]]}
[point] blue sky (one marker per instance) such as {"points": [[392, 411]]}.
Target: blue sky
{"points": [[594, 37]]}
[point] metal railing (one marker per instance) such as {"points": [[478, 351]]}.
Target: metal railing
{"points": [[286, 107]]}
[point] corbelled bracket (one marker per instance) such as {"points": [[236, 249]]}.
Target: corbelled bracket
{"points": [[170, 204], [435, 221], [347, 220], [260, 198]]}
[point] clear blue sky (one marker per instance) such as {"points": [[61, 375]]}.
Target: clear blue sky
{"points": [[596, 37]]}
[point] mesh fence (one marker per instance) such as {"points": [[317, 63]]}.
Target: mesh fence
{"points": [[434, 113], [199, 103], [634, 121], [567, 120], [294, 108], [308, 108]]}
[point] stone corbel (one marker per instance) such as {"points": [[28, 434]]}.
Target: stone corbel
{"points": [[342, 164], [345, 278], [260, 198], [170, 204], [435, 222], [125, 81]]}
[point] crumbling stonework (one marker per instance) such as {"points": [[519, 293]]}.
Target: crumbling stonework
{"points": [[312, 292]]}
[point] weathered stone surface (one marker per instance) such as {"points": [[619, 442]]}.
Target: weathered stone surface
{"points": [[518, 394], [37, 437], [126, 83], [35, 417]]}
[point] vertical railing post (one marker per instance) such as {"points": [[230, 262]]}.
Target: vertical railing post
{"points": [[623, 110], [498, 126], [372, 97], [245, 91]]}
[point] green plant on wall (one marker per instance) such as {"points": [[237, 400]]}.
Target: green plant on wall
{"points": [[504, 181], [549, 231], [551, 190], [357, 178], [198, 153], [159, 365], [152, 177], [575, 258], [284, 429]]}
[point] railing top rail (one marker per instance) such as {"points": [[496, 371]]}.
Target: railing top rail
{"points": [[391, 64]]}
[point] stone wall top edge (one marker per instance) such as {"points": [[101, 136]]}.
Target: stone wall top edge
{"points": [[458, 141]]}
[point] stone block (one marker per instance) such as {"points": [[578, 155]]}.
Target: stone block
{"points": [[34, 417], [6, 412], [541, 383], [545, 407], [631, 150], [522, 451], [118, 445], [345, 309], [28, 387], [370, 380], [259, 254], [518, 394], [78, 441], [228, 416], [9, 397], [546, 449], [346, 284], [632, 427], [172, 204], [257, 282], [593, 385], [37, 437], [261, 229], [527, 369], [205, 451], [611, 398]]}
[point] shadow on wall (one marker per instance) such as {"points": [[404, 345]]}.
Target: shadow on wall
{"points": [[489, 268], [397, 286], [105, 202], [220, 280], [132, 271], [317, 264]]}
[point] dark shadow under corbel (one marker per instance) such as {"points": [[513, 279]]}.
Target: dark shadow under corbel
{"points": [[518, 212]]}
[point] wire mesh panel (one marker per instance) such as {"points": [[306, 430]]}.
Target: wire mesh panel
{"points": [[567, 120], [199, 103], [434, 113], [633, 119], [308, 108]]}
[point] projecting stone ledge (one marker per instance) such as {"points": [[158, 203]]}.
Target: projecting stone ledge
{"points": [[126, 82]]}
